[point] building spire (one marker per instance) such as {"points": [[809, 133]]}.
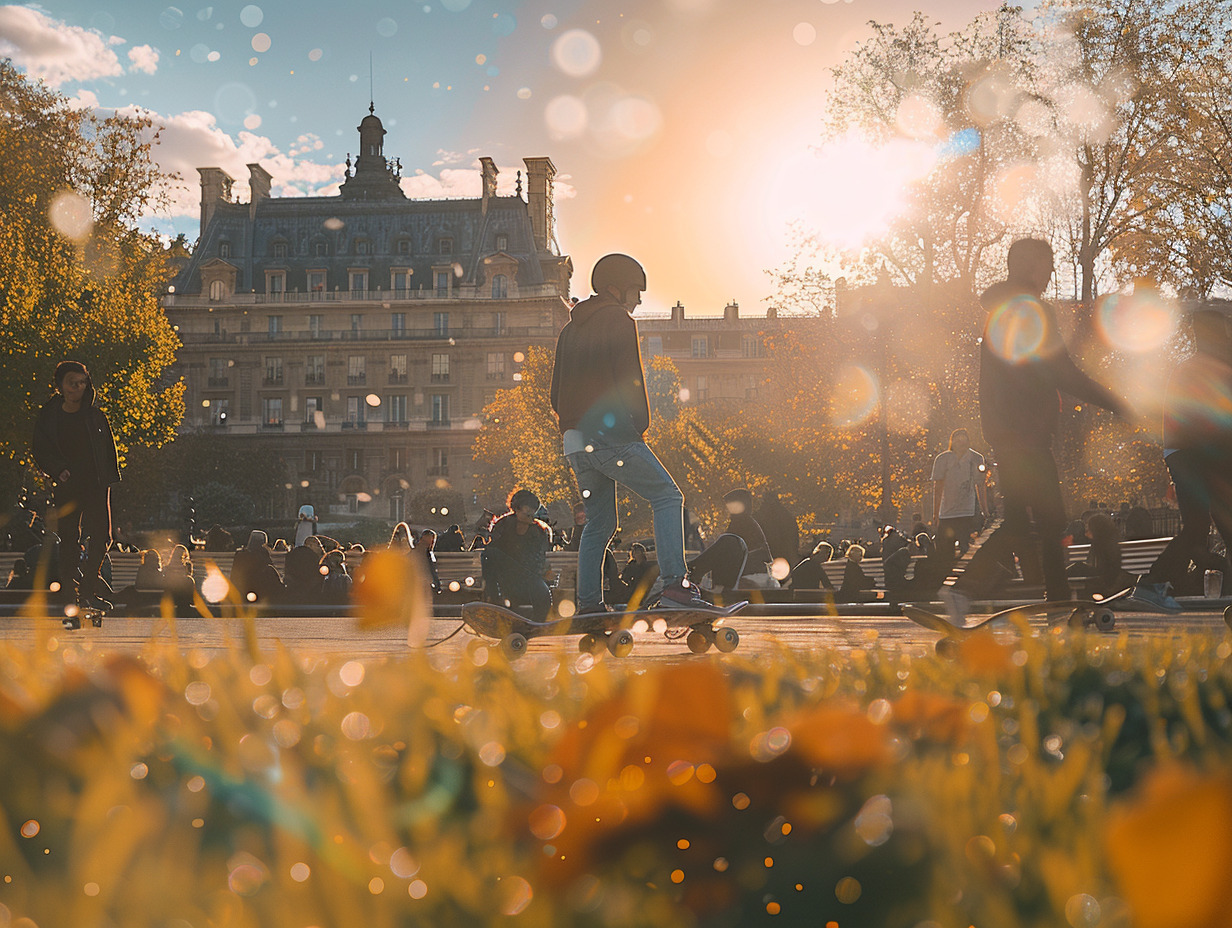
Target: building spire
{"points": [[371, 91]]}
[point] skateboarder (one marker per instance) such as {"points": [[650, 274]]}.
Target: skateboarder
{"points": [[515, 560], [1024, 369], [1197, 450], [74, 447], [599, 395]]}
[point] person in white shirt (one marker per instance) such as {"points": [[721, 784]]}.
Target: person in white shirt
{"points": [[960, 497]]}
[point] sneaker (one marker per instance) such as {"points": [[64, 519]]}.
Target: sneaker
{"points": [[1155, 596], [957, 604], [593, 609], [682, 595]]}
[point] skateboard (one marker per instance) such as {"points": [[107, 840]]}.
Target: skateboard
{"points": [[1076, 613], [610, 631]]}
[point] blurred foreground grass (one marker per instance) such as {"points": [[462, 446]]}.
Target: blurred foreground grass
{"points": [[1034, 780]]}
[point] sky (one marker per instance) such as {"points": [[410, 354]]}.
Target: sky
{"points": [[685, 132]]}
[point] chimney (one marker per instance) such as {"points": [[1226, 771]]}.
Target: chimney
{"points": [[678, 312], [539, 174], [731, 312], [215, 188], [259, 181], [488, 172]]}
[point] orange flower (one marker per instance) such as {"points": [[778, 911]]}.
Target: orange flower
{"points": [[1170, 849], [839, 739], [928, 715], [984, 655], [392, 590]]}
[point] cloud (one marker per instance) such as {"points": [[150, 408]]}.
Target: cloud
{"points": [[444, 157], [144, 58], [54, 51]]}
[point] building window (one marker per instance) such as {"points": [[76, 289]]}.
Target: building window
{"points": [[316, 283], [654, 345], [750, 386], [703, 389], [498, 323], [751, 346], [218, 290], [357, 372], [359, 281], [273, 372], [500, 287], [219, 410], [354, 411], [397, 459], [314, 370], [279, 250], [363, 246], [276, 282], [404, 246], [397, 368], [701, 346], [442, 282], [395, 408], [312, 461], [271, 411], [444, 245], [224, 249], [275, 326], [440, 323], [397, 324], [354, 460], [440, 368], [496, 365], [320, 249], [440, 463], [400, 280], [314, 411], [357, 320], [440, 409], [219, 368], [502, 243], [316, 325]]}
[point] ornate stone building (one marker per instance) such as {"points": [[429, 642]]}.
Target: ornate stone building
{"points": [[360, 335]]}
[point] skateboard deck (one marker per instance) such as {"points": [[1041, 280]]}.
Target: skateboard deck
{"points": [[1076, 613], [605, 630]]}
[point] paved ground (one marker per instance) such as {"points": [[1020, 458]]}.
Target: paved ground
{"points": [[758, 634]]}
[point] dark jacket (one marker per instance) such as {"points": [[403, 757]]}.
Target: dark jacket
{"points": [[527, 553], [51, 457], [597, 382], [780, 526], [1024, 368]]}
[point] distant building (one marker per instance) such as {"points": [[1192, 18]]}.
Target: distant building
{"points": [[361, 335]]}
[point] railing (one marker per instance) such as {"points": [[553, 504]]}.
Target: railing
{"points": [[537, 291], [368, 335], [218, 382]]}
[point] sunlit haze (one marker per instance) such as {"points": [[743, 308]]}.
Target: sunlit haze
{"points": [[686, 132]]}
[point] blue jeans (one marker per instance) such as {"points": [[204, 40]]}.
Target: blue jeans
{"points": [[635, 467]]}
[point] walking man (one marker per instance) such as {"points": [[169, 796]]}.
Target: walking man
{"points": [[959, 494], [1024, 368], [599, 395], [74, 447]]}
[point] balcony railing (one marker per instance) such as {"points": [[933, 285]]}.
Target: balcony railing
{"points": [[364, 296], [218, 383], [368, 335], [273, 380], [357, 424], [395, 377], [314, 378], [356, 380]]}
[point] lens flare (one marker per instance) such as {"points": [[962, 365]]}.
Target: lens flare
{"points": [[856, 394], [1138, 322], [1017, 330]]}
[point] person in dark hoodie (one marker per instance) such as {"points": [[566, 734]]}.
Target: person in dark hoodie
{"points": [[73, 445], [599, 395], [1024, 369]]}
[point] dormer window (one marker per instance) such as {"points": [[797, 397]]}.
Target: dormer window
{"points": [[363, 246], [224, 249], [404, 246], [280, 249], [218, 290], [502, 243], [444, 245], [320, 249]]}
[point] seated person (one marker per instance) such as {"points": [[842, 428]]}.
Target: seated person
{"points": [[336, 587], [1102, 568], [304, 580], [809, 574], [514, 561], [425, 548], [856, 583], [723, 560], [253, 571], [178, 576], [150, 571], [638, 569]]}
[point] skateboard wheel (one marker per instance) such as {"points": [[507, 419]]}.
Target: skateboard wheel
{"points": [[698, 641], [1227, 617], [620, 644], [1103, 619], [591, 644], [726, 639], [947, 648], [72, 623], [513, 646]]}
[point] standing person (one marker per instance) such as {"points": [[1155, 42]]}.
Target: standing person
{"points": [[599, 395], [74, 446], [305, 524], [960, 499], [1024, 368], [515, 567], [780, 526], [573, 539], [1197, 449]]}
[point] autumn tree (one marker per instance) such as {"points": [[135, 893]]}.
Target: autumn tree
{"points": [[77, 278]]}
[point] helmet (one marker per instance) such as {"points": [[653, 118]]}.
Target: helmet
{"points": [[619, 271]]}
